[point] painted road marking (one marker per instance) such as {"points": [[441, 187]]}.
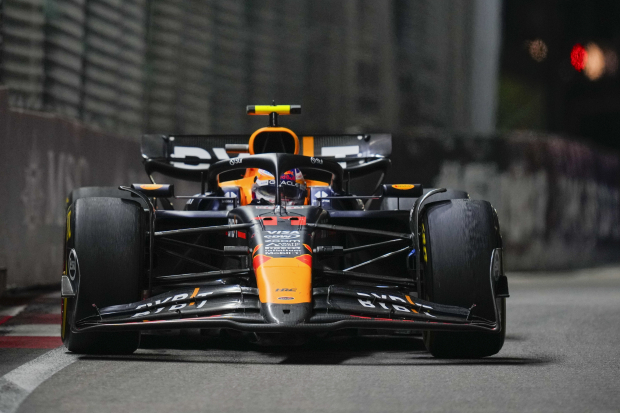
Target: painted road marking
{"points": [[29, 318], [7, 313], [19, 329], [11, 311], [30, 342], [31, 330], [16, 385]]}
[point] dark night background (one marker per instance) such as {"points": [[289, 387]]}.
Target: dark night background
{"points": [[551, 95]]}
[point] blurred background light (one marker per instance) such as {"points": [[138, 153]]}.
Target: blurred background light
{"points": [[578, 57], [595, 62], [538, 50]]}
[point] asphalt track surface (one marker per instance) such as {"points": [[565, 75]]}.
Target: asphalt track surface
{"points": [[562, 354]]}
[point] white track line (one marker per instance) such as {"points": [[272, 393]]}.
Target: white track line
{"points": [[11, 311], [16, 385], [31, 330]]}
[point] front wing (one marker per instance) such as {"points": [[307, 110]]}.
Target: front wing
{"points": [[236, 307]]}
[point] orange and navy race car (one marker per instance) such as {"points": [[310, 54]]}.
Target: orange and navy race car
{"points": [[276, 246]]}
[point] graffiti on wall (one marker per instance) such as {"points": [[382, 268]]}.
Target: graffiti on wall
{"points": [[558, 200], [585, 207], [43, 159], [46, 182]]}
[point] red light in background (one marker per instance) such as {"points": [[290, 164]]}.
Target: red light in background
{"points": [[578, 57]]}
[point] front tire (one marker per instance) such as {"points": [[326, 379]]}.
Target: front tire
{"points": [[101, 192], [106, 234], [460, 237]]}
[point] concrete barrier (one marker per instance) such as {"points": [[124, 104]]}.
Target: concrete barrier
{"points": [[42, 158], [558, 200]]}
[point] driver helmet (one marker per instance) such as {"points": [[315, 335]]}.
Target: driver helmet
{"points": [[292, 187]]}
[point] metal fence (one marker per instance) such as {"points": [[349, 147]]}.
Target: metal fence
{"points": [[191, 66], [79, 58]]}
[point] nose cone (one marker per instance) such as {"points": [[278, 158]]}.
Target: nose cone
{"points": [[284, 280], [286, 313]]}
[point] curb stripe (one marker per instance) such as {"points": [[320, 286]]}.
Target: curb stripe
{"points": [[12, 311], [30, 342], [63, 304], [16, 385], [33, 330], [7, 313], [39, 319]]}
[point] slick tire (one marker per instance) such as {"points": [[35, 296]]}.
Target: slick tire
{"points": [[107, 236], [460, 236]]}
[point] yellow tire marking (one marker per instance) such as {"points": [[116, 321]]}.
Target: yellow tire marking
{"points": [[68, 225], [64, 318]]}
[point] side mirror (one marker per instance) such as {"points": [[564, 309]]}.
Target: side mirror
{"points": [[154, 190], [402, 190]]}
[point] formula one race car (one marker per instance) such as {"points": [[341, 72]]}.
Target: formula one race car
{"points": [[274, 245]]}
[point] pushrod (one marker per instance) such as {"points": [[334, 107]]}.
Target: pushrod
{"points": [[363, 247], [369, 277], [193, 261], [202, 275], [360, 231], [190, 245], [216, 228], [382, 257]]}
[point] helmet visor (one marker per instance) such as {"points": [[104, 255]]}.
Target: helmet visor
{"points": [[287, 192]]}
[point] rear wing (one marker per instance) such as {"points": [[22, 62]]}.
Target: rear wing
{"points": [[187, 157]]}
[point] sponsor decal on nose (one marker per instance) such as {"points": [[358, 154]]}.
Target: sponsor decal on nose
{"points": [[260, 260], [306, 259]]}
